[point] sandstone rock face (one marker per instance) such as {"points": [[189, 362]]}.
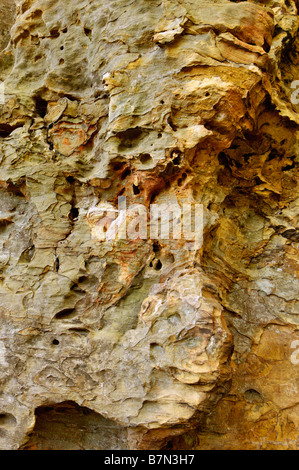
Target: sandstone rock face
{"points": [[143, 342]]}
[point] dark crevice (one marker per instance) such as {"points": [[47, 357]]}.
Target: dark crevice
{"points": [[70, 179], [125, 174], [258, 181], [17, 188], [56, 264], [6, 129], [116, 166], [176, 160], [74, 214], [88, 32], [83, 331], [136, 190], [291, 234], [77, 289], [182, 179], [156, 247], [68, 96], [41, 106], [65, 314]]}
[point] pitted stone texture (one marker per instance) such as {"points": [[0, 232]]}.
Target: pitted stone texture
{"points": [[7, 15], [152, 101]]}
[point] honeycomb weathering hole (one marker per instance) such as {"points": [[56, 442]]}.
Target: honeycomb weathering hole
{"points": [[68, 426], [7, 420]]}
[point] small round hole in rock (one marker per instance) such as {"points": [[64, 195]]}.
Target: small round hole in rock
{"points": [[54, 33], [87, 32], [176, 160], [55, 342], [253, 396], [158, 266], [145, 158]]}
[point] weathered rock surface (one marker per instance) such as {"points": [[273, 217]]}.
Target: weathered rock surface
{"points": [[151, 100]]}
